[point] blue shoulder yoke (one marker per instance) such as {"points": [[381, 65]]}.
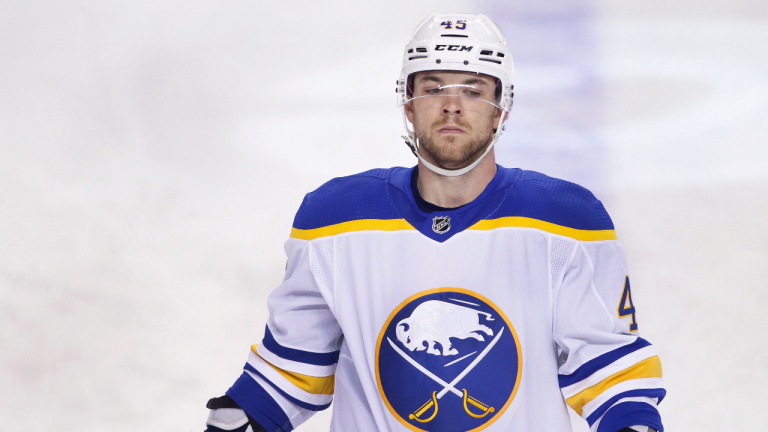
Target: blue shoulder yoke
{"points": [[385, 194], [343, 199], [556, 201]]}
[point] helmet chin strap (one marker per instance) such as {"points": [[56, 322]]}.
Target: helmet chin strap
{"points": [[445, 172], [413, 143]]}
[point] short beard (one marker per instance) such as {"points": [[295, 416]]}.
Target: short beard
{"points": [[466, 155]]}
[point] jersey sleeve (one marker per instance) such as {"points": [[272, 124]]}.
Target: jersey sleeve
{"points": [[290, 375], [608, 374]]}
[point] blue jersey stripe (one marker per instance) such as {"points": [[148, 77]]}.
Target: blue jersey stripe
{"points": [[298, 402], [652, 393], [254, 400], [587, 369], [318, 359], [628, 414]]}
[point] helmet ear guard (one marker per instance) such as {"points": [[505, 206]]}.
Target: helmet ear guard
{"points": [[456, 43]]}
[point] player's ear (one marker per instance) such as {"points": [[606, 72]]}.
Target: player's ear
{"points": [[499, 118], [408, 108]]}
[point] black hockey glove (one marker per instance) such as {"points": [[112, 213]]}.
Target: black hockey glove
{"points": [[227, 416], [626, 429]]}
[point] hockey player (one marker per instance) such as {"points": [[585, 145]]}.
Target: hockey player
{"points": [[457, 295]]}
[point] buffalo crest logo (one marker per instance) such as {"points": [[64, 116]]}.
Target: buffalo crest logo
{"points": [[448, 360]]}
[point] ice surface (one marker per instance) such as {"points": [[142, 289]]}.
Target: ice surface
{"points": [[152, 155]]}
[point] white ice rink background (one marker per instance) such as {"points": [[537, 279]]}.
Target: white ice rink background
{"points": [[152, 155]]}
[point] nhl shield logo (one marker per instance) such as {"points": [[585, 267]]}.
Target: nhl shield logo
{"points": [[441, 224], [448, 360]]}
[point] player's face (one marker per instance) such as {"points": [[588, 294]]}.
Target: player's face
{"points": [[455, 127]]}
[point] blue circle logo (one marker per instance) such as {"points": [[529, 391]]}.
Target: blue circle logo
{"points": [[448, 360]]}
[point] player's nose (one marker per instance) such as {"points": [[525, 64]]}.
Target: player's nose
{"points": [[452, 107], [452, 104]]}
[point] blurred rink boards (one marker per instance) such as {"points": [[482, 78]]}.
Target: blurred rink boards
{"points": [[152, 155]]}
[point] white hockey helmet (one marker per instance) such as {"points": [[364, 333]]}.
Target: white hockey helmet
{"points": [[456, 42]]}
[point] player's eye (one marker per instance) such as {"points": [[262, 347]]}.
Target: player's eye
{"points": [[435, 90]]}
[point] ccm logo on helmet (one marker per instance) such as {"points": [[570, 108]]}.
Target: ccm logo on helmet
{"points": [[453, 48]]}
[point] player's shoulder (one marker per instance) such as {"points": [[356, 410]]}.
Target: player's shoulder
{"points": [[344, 199], [542, 186], [549, 199]]}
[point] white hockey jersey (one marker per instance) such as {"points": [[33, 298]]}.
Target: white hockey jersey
{"points": [[489, 317]]}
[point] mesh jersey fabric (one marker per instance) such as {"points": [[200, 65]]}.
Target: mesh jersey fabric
{"points": [[343, 199]]}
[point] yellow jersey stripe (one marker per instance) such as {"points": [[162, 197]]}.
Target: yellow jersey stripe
{"points": [[524, 222], [351, 226], [648, 368], [483, 225], [310, 384]]}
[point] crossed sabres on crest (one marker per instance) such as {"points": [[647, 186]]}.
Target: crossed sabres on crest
{"points": [[449, 387]]}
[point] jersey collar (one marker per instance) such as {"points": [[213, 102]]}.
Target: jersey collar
{"points": [[429, 224]]}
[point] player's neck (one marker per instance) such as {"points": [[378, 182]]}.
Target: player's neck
{"points": [[451, 192]]}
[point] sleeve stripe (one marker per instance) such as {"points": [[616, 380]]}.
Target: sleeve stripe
{"points": [[296, 414], [648, 368], [292, 366], [259, 404], [257, 365], [644, 399], [630, 413], [252, 371], [310, 384], [597, 363], [650, 387], [319, 359], [617, 366]]}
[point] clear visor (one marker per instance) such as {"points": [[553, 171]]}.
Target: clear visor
{"points": [[479, 96]]}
